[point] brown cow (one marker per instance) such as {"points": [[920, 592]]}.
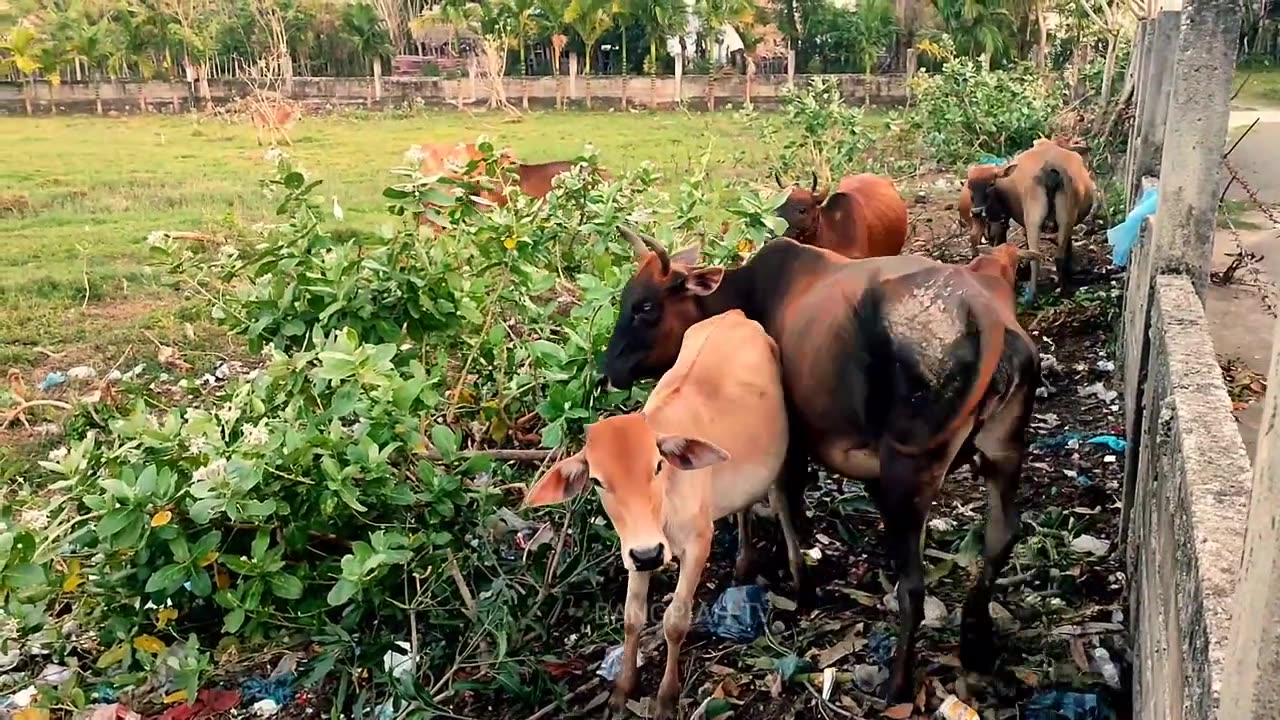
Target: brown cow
{"points": [[1045, 189], [710, 442], [277, 118], [864, 217], [895, 369]]}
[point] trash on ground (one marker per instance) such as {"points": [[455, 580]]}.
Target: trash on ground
{"points": [[792, 665], [880, 646], [265, 708], [869, 677], [953, 708], [738, 614], [51, 381], [1106, 366], [279, 688], [988, 159], [1066, 705], [935, 612], [82, 372], [828, 683], [1048, 363], [1122, 237], [779, 602], [611, 667], [1099, 391], [54, 674], [398, 665], [1069, 440], [1117, 444], [1088, 544], [113, 711], [210, 703], [1105, 667]]}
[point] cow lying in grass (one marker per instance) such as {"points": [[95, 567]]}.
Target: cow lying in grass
{"points": [[1045, 189], [709, 443], [865, 217], [895, 369]]}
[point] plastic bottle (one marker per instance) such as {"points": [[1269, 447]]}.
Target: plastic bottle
{"points": [[953, 708]]}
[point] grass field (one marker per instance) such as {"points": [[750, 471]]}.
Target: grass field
{"points": [[1261, 87], [79, 195]]}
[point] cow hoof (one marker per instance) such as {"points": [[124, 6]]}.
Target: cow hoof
{"points": [[899, 689], [617, 702], [666, 709], [977, 641]]}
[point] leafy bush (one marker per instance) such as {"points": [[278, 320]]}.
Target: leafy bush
{"points": [[335, 490], [964, 111]]}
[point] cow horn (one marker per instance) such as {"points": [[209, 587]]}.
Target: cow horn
{"points": [[643, 243], [778, 179], [815, 183]]}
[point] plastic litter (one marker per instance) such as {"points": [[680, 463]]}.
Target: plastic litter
{"points": [[1066, 705], [792, 665], [265, 708], [1104, 667], [1122, 237], [210, 703], [880, 646], [82, 372], [1058, 442], [1048, 363], [869, 677], [986, 159], [738, 614], [953, 708], [23, 697], [51, 381], [398, 665], [1117, 444], [1099, 391], [1106, 366], [53, 674], [611, 667], [279, 688], [1088, 544]]}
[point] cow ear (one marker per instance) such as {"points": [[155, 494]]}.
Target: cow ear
{"points": [[836, 204], [562, 482], [703, 281], [1008, 169], [688, 453], [687, 256]]}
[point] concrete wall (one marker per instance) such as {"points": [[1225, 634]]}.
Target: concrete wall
{"points": [[604, 92], [1186, 518]]}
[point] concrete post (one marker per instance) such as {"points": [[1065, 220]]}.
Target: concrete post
{"points": [[573, 75], [679, 81], [1149, 126], [1139, 63], [791, 68], [1195, 138], [913, 62], [1251, 686]]}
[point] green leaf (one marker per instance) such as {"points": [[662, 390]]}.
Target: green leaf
{"points": [[285, 586], [116, 520], [553, 434], [169, 578], [342, 592], [445, 442], [544, 349], [24, 575], [233, 621], [294, 180], [201, 585]]}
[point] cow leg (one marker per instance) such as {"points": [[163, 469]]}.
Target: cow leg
{"points": [[998, 233], [746, 553], [1001, 445], [675, 622], [1034, 210], [975, 234], [1065, 218], [778, 498], [633, 617]]}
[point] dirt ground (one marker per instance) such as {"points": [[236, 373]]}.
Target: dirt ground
{"points": [[1062, 595]]}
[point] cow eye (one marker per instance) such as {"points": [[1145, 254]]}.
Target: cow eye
{"points": [[645, 307], [596, 480], [658, 469]]}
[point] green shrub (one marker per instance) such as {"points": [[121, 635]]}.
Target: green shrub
{"points": [[335, 493], [964, 111]]}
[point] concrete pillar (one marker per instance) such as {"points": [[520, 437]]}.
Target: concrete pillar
{"points": [[573, 75], [1149, 125], [1251, 683], [679, 81], [791, 68], [1195, 137], [1138, 66]]}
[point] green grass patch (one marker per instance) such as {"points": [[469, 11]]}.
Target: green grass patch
{"points": [[84, 193], [1261, 87]]}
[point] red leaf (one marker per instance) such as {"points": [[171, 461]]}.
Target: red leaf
{"points": [[900, 712]]}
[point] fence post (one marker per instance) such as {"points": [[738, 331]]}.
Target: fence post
{"points": [[791, 68], [680, 81], [1150, 123], [573, 75], [1195, 137], [1251, 682], [1141, 62]]}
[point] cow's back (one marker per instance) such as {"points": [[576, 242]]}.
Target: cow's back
{"points": [[879, 224]]}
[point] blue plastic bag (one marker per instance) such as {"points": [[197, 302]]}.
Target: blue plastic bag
{"points": [[1118, 444], [985, 159], [1064, 705], [1122, 237], [738, 614]]}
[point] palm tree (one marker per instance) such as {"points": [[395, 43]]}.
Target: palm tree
{"points": [[660, 19], [551, 21], [95, 46], [590, 18], [713, 15], [523, 18], [21, 50], [979, 27], [368, 33], [875, 25]]}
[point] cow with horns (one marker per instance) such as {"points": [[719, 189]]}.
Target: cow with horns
{"points": [[895, 371], [865, 217]]}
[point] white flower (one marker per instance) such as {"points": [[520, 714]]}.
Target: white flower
{"points": [[256, 435], [157, 238], [58, 455], [213, 472], [414, 155], [275, 155], [199, 445]]}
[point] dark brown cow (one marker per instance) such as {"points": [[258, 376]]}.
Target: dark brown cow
{"points": [[864, 217], [895, 369], [536, 178], [1045, 189]]}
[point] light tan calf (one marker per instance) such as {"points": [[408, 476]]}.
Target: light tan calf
{"points": [[709, 443], [276, 118]]}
